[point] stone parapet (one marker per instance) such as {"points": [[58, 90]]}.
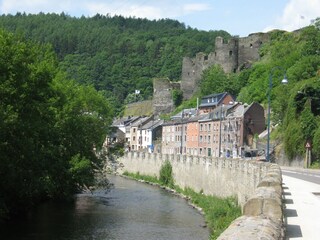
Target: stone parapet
{"points": [[262, 213], [252, 228]]}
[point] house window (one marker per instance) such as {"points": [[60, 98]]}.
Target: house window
{"points": [[209, 152], [209, 127], [201, 127], [200, 138]]}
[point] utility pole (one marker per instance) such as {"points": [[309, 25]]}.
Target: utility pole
{"points": [[220, 137]]}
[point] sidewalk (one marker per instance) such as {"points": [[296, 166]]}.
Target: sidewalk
{"points": [[302, 209]]}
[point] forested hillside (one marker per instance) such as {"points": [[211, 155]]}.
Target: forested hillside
{"points": [[115, 54]]}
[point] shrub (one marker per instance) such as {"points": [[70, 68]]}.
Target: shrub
{"points": [[166, 177]]}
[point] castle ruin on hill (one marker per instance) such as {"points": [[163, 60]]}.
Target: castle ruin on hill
{"points": [[232, 56]]}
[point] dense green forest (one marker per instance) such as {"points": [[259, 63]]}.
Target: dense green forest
{"points": [[115, 54], [49, 126]]}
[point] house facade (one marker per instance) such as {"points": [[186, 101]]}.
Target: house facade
{"points": [[212, 101], [226, 131], [222, 129]]}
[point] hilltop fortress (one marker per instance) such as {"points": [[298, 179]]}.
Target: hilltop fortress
{"points": [[232, 56]]}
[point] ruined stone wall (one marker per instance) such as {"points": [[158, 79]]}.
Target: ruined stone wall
{"points": [[162, 95], [226, 54], [249, 49], [232, 56]]}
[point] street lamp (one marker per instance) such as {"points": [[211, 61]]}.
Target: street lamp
{"points": [[283, 81], [220, 138]]}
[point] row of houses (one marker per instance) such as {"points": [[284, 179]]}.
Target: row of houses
{"points": [[217, 127]]}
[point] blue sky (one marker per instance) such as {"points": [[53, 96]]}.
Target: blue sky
{"points": [[238, 17]]}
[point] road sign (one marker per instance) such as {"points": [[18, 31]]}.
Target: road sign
{"points": [[308, 145]]}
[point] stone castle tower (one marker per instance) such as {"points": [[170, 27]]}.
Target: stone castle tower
{"points": [[162, 95], [232, 56]]}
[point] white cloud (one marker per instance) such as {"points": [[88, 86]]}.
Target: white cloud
{"points": [[148, 9], [195, 7], [296, 14]]}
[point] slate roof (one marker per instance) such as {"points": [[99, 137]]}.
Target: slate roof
{"points": [[152, 124], [212, 99]]}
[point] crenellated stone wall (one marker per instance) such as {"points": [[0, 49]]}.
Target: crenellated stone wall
{"points": [[220, 177]]}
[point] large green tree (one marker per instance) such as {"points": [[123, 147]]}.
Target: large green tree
{"points": [[49, 127]]}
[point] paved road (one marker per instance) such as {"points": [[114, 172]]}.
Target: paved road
{"points": [[302, 202]]}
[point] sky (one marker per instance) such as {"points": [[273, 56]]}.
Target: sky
{"points": [[238, 17]]}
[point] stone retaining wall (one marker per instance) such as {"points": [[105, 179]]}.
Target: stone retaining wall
{"points": [[214, 176]]}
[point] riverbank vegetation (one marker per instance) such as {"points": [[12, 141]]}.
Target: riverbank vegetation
{"points": [[218, 212], [50, 127]]}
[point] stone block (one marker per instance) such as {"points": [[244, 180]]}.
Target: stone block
{"points": [[253, 228], [266, 202]]}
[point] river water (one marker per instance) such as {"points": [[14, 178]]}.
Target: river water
{"points": [[131, 210]]}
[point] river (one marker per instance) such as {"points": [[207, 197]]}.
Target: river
{"points": [[131, 210]]}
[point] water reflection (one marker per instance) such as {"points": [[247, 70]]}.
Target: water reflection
{"points": [[129, 211]]}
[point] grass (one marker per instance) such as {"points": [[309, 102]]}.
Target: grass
{"points": [[138, 176], [315, 165], [219, 212], [139, 109]]}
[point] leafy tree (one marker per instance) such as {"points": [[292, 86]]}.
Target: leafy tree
{"points": [[26, 120], [308, 123], [177, 96], [49, 127], [213, 80]]}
